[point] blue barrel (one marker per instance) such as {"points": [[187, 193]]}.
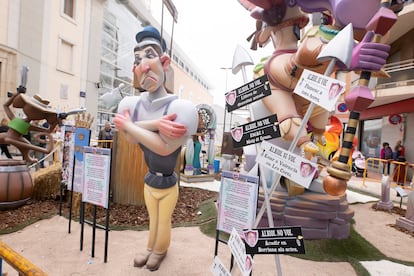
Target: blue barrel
{"points": [[216, 166]]}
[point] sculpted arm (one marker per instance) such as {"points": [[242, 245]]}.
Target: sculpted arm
{"points": [[7, 104], [148, 138], [166, 126], [163, 144]]}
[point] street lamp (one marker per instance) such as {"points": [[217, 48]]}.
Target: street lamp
{"points": [[225, 111]]}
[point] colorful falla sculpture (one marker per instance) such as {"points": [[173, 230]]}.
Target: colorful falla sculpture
{"points": [[160, 123], [370, 22], [206, 126], [17, 187], [280, 22]]}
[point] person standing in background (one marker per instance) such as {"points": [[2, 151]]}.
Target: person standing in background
{"points": [[386, 154], [105, 134], [4, 147], [399, 150]]}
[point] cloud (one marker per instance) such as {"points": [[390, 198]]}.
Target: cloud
{"points": [[209, 32]]}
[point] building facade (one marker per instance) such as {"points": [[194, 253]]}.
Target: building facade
{"points": [[77, 50], [391, 116]]}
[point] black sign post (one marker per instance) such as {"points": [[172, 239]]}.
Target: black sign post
{"points": [[279, 240], [248, 93], [256, 131]]}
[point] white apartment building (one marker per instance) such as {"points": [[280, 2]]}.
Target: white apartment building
{"points": [[77, 50]]}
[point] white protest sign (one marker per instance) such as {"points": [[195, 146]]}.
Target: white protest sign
{"points": [[97, 163], [237, 202], [287, 164], [238, 249], [218, 269], [401, 192], [319, 89]]}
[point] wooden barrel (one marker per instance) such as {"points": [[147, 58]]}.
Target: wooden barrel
{"points": [[16, 185]]}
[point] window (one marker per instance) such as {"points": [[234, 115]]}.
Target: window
{"points": [[64, 89], [65, 56], [69, 8]]}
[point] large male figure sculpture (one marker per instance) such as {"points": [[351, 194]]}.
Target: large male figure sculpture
{"points": [[160, 123]]}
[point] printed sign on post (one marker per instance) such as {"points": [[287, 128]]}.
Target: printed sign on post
{"points": [[97, 163], [82, 138], [279, 240], [218, 269], [255, 132], [68, 155], [287, 164], [237, 248], [237, 201], [319, 89], [248, 93]]}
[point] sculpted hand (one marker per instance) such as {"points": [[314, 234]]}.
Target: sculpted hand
{"points": [[168, 127], [369, 56], [120, 120]]}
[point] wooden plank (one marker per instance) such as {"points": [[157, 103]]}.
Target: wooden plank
{"points": [[129, 171]]}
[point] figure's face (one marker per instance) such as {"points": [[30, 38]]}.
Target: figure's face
{"points": [[148, 69]]}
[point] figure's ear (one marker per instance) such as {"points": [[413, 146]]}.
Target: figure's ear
{"points": [[165, 61]]}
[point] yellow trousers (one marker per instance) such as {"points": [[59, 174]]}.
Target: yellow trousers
{"points": [[160, 205]]}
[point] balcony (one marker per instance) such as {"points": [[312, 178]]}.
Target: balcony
{"points": [[400, 85]]}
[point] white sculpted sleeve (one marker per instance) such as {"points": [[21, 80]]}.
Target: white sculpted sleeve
{"points": [[128, 103], [187, 115]]}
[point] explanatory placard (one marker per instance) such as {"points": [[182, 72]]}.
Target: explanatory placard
{"points": [[97, 163]]}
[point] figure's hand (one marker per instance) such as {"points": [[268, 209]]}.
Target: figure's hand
{"points": [[169, 128], [120, 120], [369, 56]]}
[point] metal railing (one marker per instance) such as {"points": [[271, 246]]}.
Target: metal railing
{"points": [[23, 266], [399, 66], [98, 142], [398, 72], [400, 169]]}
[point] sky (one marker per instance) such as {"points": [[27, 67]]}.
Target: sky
{"points": [[209, 33]]}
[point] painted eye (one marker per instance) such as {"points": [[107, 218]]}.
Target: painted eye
{"points": [[151, 55], [137, 60]]}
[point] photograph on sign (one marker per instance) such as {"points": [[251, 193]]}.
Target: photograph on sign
{"points": [[231, 97], [319, 89], [248, 93], [238, 250], [68, 156], [237, 201], [279, 240], [97, 163], [255, 132], [287, 164]]}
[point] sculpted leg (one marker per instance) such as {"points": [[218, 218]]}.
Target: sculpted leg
{"points": [[160, 205]]}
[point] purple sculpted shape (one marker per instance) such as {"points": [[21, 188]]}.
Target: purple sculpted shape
{"points": [[344, 11], [369, 56]]}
